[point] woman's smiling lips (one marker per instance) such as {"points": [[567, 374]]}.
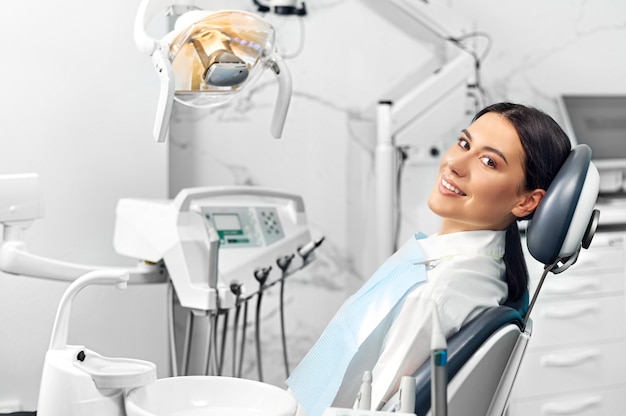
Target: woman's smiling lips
{"points": [[450, 186]]}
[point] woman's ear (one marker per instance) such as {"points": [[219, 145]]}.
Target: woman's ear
{"points": [[529, 202]]}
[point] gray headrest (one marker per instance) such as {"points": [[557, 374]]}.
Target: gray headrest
{"points": [[566, 219]]}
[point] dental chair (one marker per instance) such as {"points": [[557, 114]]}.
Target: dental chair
{"points": [[485, 355]]}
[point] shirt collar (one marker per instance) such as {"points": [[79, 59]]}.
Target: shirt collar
{"points": [[484, 242]]}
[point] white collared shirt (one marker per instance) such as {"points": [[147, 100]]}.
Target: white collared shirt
{"points": [[465, 275]]}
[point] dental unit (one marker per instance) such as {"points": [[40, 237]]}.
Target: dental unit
{"points": [[253, 228], [219, 247]]}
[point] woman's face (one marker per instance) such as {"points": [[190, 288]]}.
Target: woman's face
{"points": [[480, 185]]}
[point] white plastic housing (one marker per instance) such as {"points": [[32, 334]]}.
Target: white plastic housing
{"points": [[20, 198], [182, 71], [77, 381], [580, 219], [175, 231], [68, 391]]}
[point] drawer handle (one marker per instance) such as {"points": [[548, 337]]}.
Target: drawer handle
{"points": [[568, 288], [571, 407], [569, 312], [569, 360]]}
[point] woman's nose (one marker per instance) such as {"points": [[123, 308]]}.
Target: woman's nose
{"points": [[457, 164]]}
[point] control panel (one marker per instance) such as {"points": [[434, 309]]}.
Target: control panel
{"points": [[245, 226]]}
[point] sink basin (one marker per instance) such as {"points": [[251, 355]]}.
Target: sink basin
{"points": [[209, 396]]}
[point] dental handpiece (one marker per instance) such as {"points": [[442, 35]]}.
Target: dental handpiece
{"points": [[407, 395], [243, 337], [260, 274], [235, 288], [364, 399], [283, 264], [308, 248], [439, 382]]}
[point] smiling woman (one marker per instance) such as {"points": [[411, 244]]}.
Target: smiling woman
{"points": [[496, 173], [517, 151], [481, 179]]}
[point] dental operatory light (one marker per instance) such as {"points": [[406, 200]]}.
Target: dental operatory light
{"points": [[209, 58]]}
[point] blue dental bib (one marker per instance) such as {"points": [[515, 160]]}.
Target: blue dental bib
{"points": [[315, 381]]}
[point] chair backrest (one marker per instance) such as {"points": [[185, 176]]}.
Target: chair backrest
{"points": [[566, 219], [489, 340]]}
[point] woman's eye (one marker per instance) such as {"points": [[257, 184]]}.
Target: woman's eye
{"points": [[489, 161], [463, 143]]}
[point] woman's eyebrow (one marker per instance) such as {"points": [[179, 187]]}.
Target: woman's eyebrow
{"points": [[488, 148]]}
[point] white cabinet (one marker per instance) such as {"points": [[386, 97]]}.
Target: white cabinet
{"points": [[576, 360]]}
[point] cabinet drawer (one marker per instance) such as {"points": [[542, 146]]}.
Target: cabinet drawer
{"points": [[567, 322], [567, 285], [587, 403], [566, 369], [599, 259], [606, 253]]}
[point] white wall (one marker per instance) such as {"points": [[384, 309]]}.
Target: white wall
{"points": [[77, 102], [541, 49]]}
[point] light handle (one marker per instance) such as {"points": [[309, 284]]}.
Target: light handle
{"points": [[164, 69], [283, 99]]}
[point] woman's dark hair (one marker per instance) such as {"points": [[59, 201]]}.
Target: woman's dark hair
{"points": [[546, 146]]}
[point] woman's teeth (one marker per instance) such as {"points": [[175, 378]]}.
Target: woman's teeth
{"points": [[452, 188]]}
